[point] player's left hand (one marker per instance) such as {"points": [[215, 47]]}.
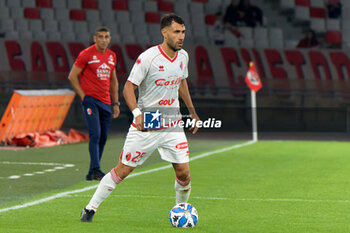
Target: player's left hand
{"points": [[196, 118], [116, 111]]}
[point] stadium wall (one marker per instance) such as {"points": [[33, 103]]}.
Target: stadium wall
{"points": [[210, 65], [292, 78]]}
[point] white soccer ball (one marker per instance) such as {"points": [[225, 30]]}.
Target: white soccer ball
{"points": [[183, 215]]}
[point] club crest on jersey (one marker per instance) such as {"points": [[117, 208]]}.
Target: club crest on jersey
{"points": [[161, 68], [128, 156], [110, 60], [89, 111], [138, 61], [181, 66]]}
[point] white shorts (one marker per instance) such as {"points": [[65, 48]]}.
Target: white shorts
{"points": [[171, 144]]}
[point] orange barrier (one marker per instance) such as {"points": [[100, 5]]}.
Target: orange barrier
{"points": [[49, 138], [35, 111]]}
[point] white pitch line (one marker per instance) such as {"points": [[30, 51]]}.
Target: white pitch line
{"points": [[153, 197], [35, 163], [225, 198], [222, 150], [291, 200], [59, 195], [28, 174], [58, 166]]}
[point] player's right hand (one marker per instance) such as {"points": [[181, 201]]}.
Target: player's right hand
{"points": [[139, 123], [82, 97], [195, 117]]}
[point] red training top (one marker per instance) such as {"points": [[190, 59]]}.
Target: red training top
{"points": [[96, 72]]}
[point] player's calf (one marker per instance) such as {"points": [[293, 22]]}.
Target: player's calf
{"points": [[182, 189], [106, 186]]}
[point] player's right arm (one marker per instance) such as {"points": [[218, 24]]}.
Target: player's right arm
{"points": [[74, 80], [130, 98], [137, 75]]}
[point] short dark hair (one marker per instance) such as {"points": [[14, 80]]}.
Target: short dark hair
{"points": [[101, 29], [168, 19]]}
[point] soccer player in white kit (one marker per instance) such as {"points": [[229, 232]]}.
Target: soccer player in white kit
{"points": [[160, 75]]}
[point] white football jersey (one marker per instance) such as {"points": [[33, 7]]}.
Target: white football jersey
{"points": [[158, 78]]}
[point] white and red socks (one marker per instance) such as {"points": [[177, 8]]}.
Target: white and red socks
{"points": [[106, 186], [183, 190]]}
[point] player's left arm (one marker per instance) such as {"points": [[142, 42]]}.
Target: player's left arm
{"points": [[113, 88], [185, 95]]}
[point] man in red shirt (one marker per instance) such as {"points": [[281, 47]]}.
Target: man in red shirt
{"points": [[98, 85]]}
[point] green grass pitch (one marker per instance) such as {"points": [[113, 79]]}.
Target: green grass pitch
{"points": [[266, 187]]}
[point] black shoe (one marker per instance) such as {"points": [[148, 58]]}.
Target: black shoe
{"points": [[98, 175], [89, 177], [86, 215]]}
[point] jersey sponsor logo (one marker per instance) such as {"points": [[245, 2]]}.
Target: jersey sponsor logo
{"points": [[103, 72], [166, 102], [161, 68], [104, 66], [169, 83], [182, 145], [94, 60]]}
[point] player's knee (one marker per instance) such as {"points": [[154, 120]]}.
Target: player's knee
{"points": [[183, 180], [183, 175], [123, 170], [182, 171]]}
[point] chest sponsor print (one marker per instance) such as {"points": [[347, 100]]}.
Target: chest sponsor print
{"points": [[103, 72], [168, 83]]}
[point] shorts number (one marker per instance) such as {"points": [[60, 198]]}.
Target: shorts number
{"points": [[138, 157]]}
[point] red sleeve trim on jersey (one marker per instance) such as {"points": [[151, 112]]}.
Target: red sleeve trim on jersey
{"points": [[166, 56]]}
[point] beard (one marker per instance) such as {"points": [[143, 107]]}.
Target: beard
{"points": [[173, 46]]}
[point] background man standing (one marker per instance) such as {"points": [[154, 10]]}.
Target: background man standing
{"points": [[98, 84]]}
